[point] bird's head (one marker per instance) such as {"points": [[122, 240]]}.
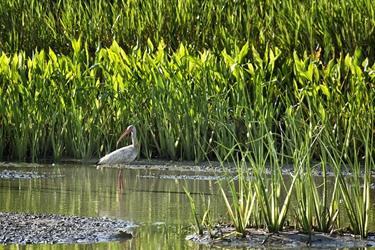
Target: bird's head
{"points": [[130, 129]]}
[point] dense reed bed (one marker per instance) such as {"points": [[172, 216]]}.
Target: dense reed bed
{"points": [[74, 73], [184, 106], [290, 25]]}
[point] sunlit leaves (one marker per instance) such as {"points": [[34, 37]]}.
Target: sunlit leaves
{"points": [[188, 96]]}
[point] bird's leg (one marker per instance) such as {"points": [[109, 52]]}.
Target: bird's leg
{"points": [[120, 182], [120, 174]]}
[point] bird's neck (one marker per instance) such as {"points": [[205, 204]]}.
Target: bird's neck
{"points": [[134, 139]]}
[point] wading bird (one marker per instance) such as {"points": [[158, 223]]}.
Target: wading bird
{"points": [[121, 156]]}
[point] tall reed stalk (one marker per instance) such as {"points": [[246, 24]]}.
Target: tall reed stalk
{"points": [[214, 25], [241, 203], [180, 102]]}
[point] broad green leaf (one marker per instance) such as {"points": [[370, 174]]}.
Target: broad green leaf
{"points": [[325, 91], [322, 112], [243, 53]]}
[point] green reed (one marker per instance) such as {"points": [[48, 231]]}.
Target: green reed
{"points": [[197, 227], [269, 188], [355, 186], [322, 119], [180, 102], [316, 210], [206, 106], [241, 201], [215, 25], [204, 222]]}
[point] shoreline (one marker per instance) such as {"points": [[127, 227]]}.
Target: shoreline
{"points": [[29, 228]]}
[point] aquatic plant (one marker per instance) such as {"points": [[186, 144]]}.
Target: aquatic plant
{"points": [[270, 188], [195, 96], [353, 178], [335, 27], [197, 227], [204, 222], [255, 193], [241, 203], [322, 124]]}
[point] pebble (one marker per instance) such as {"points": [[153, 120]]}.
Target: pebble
{"points": [[27, 228]]}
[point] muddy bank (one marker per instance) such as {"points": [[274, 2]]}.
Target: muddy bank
{"points": [[214, 167], [13, 174], [225, 237], [218, 168], [25, 228]]}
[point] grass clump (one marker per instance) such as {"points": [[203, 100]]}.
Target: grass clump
{"points": [[321, 126], [242, 208], [204, 222]]}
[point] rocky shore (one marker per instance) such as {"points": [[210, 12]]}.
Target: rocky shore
{"points": [[26, 228], [225, 236]]}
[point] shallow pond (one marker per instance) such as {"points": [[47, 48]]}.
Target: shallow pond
{"points": [[153, 199]]}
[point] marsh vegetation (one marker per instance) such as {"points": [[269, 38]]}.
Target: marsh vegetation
{"points": [[260, 82]]}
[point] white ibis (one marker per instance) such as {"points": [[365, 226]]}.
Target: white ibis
{"points": [[121, 156]]}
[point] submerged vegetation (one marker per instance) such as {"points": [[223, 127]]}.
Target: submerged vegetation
{"points": [[265, 83]]}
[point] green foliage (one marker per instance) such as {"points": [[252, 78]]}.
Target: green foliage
{"points": [[201, 222], [243, 206], [269, 188], [185, 107], [337, 27], [326, 115]]}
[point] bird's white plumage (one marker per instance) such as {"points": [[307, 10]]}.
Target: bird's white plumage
{"points": [[121, 156]]}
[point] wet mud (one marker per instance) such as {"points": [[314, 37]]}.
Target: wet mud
{"points": [[26, 228], [13, 174], [260, 239]]}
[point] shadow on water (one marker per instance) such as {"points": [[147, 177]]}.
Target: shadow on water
{"points": [[159, 206]]}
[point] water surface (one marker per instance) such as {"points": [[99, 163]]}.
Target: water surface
{"points": [[156, 203], [153, 199]]}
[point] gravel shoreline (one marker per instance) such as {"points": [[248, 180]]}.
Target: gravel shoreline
{"points": [[27, 228], [256, 238]]}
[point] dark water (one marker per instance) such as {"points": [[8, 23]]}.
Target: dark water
{"points": [[153, 199], [156, 203]]}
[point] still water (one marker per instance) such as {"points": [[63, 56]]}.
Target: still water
{"points": [[153, 199], [158, 205]]}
